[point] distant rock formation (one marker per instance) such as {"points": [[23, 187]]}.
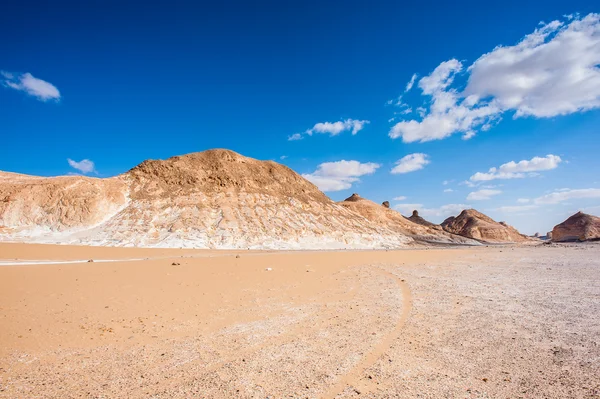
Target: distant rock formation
{"points": [[549, 235], [473, 224], [393, 220], [353, 198], [415, 218], [386, 204], [579, 227]]}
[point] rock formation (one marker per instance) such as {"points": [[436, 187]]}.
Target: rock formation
{"points": [[415, 218], [393, 220], [476, 225], [386, 204], [579, 227], [212, 199]]}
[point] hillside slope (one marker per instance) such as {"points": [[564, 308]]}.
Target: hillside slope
{"points": [[211, 199], [578, 227], [473, 224]]}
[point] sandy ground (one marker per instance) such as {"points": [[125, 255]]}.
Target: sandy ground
{"points": [[498, 322]]}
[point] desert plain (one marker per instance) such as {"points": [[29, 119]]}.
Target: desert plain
{"points": [[503, 321]]}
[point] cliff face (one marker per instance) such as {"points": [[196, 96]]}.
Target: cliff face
{"points": [[579, 227], [473, 224]]}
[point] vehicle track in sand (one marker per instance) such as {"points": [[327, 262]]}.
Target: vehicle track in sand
{"points": [[354, 377]]}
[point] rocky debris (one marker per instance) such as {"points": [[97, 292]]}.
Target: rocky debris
{"points": [[549, 235], [419, 220], [578, 227], [473, 224], [174, 264], [90, 260], [386, 204]]}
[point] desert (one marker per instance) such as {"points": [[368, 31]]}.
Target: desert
{"points": [[302, 200], [499, 321], [283, 293]]}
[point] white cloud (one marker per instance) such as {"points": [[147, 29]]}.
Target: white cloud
{"points": [[410, 163], [516, 208], [517, 170], [84, 166], [523, 200], [340, 175], [332, 128], [439, 214], [552, 71], [567, 194], [31, 85], [411, 83], [448, 190], [400, 198], [283, 157], [484, 194]]}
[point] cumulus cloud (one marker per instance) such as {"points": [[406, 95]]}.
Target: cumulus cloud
{"points": [[400, 198], [437, 214], [481, 195], [552, 71], [410, 163], [567, 194], [332, 128], [31, 85], [340, 175], [518, 170], [84, 166]]}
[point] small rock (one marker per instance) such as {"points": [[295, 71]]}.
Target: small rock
{"points": [[268, 269], [174, 264], [237, 256], [91, 260]]}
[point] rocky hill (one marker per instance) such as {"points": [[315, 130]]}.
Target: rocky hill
{"points": [[381, 215], [211, 199], [578, 227], [473, 224], [415, 218]]}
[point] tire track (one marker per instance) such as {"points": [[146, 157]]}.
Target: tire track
{"points": [[354, 376]]}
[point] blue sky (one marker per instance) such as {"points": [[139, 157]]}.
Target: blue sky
{"points": [[115, 83]]}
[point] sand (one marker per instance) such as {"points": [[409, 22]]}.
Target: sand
{"points": [[496, 322]]}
